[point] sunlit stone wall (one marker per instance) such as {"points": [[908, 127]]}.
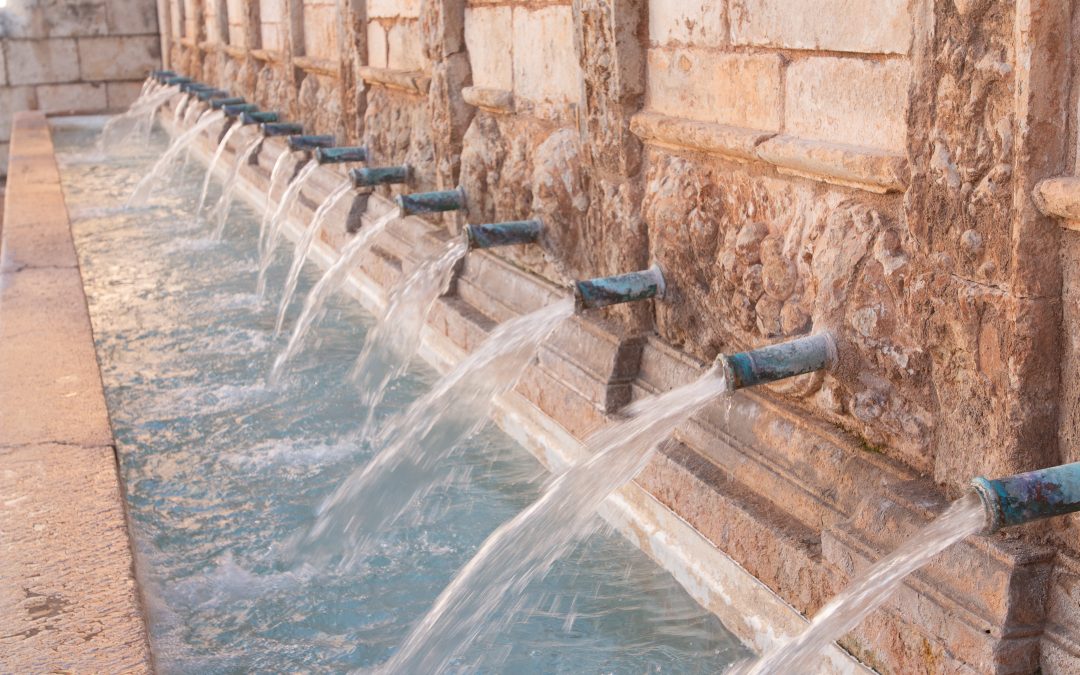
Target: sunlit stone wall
{"points": [[865, 167], [73, 56]]}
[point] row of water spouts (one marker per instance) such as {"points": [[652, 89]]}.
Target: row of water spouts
{"points": [[414, 442]]}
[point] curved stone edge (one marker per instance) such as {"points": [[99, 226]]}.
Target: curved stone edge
{"points": [[1059, 197], [413, 81], [851, 166], [68, 595]]}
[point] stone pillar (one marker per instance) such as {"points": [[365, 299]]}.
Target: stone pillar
{"points": [[443, 26], [611, 53], [353, 40], [986, 98]]}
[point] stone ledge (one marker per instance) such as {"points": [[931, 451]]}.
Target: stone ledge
{"points": [[316, 66], [68, 599], [864, 168], [491, 100], [1060, 198], [716, 139], [412, 81], [851, 166], [268, 55]]}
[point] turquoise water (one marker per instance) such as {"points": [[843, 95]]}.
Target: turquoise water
{"points": [[221, 471]]}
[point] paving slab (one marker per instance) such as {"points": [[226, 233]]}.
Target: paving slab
{"points": [[68, 595]]}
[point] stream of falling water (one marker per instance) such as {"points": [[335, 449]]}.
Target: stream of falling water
{"points": [[220, 212], [331, 281], [180, 144], [486, 594], [392, 342], [277, 222], [274, 191], [417, 442], [303, 247], [870, 589], [140, 115], [222, 146]]}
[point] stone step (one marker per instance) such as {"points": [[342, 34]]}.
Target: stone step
{"points": [[571, 409], [776, 548]]}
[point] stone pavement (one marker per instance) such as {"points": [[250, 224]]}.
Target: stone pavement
{"points": [[68, 596]]}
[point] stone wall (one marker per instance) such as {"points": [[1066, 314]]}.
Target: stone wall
{"points": [[793, 166], [73, 56]]}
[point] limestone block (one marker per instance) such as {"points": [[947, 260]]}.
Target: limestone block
{"points": [[488, 32], [133, 17], [42, 61], [237, 36], [118, 58], [271, 11], [545, 64], [376, 45], [404, 50], [272, 37], [321, 31], [76, 97], [848, 100], [742, 90], [3, 69], [699, 22], [409, 9], [56, 18], [121, 94], [870, 26]]}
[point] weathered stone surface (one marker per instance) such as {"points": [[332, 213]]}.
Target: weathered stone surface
{"points": [[396, 131], [867, 168], [851, 101], [403, 47], [55, 18], [118, 58], [545, 68], [376, 45], [320, 105], [120, 95], [741, 90], [321, 26], [42, 61], [753, 259], [489, 39], [694, 22], [132, 17], [79, 97], [867, 26], [394, 8], [68, 600]]}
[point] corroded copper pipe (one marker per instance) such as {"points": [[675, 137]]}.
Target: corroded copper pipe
{"points": [[1025, 497], [780, 361], [509, 233], [618, 289]]}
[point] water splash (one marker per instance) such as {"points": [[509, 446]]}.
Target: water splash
{"points": [[418, 441], [220, 212], [303, 247], [277, 222], [870, 589], [222, 145], [524, 548], [330, 282], [180, 144], [390, 345]]}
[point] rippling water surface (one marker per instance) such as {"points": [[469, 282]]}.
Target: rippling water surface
{"points": [[221, 470]]}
